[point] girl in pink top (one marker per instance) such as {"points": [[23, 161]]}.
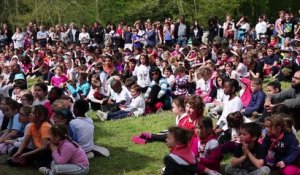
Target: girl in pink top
{"points": [[59, 77], [68, 157]]}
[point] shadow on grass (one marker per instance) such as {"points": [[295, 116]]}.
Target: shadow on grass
{"points": [[121, 161]]}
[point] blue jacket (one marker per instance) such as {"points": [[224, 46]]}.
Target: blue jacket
{"points": [[285, 150], [256, 103]]}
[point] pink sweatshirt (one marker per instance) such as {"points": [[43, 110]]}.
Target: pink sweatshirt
{"points": [[56, 81], [68, 153]]}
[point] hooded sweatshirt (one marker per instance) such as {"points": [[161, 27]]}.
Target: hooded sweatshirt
{"points": [[180, 161]]}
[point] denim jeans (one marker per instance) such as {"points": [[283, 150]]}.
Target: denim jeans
{"points": [[68, 169], [182, 40]]}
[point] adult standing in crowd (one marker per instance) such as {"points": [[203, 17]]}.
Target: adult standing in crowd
{"points": [[196, 34], [229, 28], [181, 32], [97, 32], [213, 29], [42, 36], [18, 38], [260, 28], [73, 33]]}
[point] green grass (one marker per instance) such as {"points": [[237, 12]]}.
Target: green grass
{"points": [[126, 158]]}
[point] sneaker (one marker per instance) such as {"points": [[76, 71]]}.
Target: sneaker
{"points": [[101, 115], [90, 155], [213, 172], [145, 135], [99, 150], [162, 171], [137, 140], [44, 170], [160, 110]]}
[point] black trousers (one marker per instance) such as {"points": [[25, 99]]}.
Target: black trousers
{"points": [[42, 158]]}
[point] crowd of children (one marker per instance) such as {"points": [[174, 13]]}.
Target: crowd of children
{"points": [[135, 71]]}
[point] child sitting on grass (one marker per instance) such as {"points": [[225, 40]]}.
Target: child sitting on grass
{"points": [[181, 160], [83, 127], [14, 128], [257, 98], [135, 108], [68, 156], [178, 109], [119, 97], [24, 119], [39, 133], [205, 148], [233, 104], [280, 147], [249, 156], [193, 112]]}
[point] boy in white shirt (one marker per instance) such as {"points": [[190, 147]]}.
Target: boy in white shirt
{"points": [[119, 97], [136, 106]]}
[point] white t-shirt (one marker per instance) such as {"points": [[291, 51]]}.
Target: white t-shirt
{"points": [[137, 106], [242, 70], [230, 106], [203, 85], [124, 95], [84, 130], [221, 95], [170, 79], [143, 76]]}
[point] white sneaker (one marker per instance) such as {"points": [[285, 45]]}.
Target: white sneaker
{"points": [[44, 170], [101, 115], [101, 150]]}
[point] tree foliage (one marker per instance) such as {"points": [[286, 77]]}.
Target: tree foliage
{"points": [[50, 12]]}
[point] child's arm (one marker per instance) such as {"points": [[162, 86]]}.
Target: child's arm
{"points": [[71, 89], [237, 161], [239, 156], [64, 154], [22, 146], [8, 135], [258, 163]]}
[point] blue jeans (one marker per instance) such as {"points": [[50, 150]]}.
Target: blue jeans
{"points": [[182, 40], [118, 115], [68, 169]]}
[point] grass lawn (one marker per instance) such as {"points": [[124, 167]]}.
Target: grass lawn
{"points": [[126, 158]]}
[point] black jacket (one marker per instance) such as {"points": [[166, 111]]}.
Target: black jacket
{"points": [[174, 167], [187, 32]]}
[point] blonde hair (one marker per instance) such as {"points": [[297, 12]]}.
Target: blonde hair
{"points": [[58, 105]]}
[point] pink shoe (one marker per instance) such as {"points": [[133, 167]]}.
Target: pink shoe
{"points": [[145, 135], [137, 140]]}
